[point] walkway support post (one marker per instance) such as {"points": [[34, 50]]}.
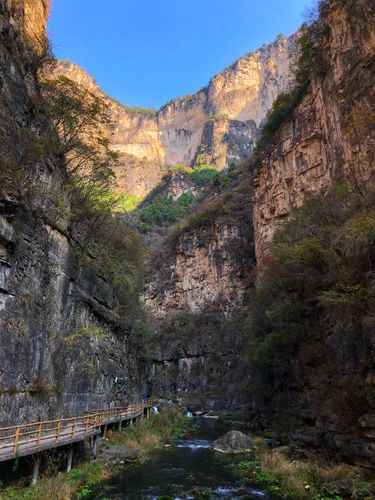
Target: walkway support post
{"points": [[120, 425], [37, 459], [70, 459], [131, 422], [93, 446]]}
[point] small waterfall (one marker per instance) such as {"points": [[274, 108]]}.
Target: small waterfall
{"points": [[194, 444], [155, 410], [189, 414]]}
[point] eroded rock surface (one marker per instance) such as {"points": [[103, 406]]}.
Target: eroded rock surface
{"points": [[218, 125], [46, 294], [233, 442], [328, 130]]}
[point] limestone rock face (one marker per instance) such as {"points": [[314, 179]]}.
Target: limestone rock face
{"points": [[219, 124], [330, 137], [306, 153], [233, 442], [247, 89], [46, 295], [208, 268], [194, 298]]}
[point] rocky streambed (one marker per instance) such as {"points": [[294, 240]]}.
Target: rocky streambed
{"points": [[189, 469]]}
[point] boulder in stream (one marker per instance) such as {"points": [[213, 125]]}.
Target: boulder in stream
{"points": [[233, 442]]}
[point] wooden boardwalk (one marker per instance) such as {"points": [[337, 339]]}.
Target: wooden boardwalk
{"points": [[28, 439]]}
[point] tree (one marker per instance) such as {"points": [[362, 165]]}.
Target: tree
{"points": [[82, 122]]}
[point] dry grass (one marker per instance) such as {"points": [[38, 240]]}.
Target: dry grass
{"points": [[56, 488], [288, 473], [144, 439], [301, 479], [152, 433]]}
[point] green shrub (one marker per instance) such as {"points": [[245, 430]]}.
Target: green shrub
{"points": [[201, 175], [127, 202], [165, 210], [134, 110]]}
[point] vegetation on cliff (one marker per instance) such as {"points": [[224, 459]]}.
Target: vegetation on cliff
{"points": [[165, 210], [159, 209], [311, 63], [86, 205], [316, 287], [135, 110], [226, 203]]}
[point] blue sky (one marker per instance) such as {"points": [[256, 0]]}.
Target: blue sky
{"points": [[146, 52]]}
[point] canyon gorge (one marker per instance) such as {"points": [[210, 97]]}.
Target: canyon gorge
{"points": [[256, 211]]}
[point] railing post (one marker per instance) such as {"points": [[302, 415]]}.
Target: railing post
{"points": [[58, 427], [86, 424], [39, 434], [16, 439], [73, 428]]}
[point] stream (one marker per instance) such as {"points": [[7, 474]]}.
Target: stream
{"points": [[175, 471]]}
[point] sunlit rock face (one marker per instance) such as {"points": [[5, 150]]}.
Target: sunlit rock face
{"points": [[206, 269], [307, 152], [217, 125]]}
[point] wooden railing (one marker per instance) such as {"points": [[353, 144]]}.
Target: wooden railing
{"points": [[27, 439]]}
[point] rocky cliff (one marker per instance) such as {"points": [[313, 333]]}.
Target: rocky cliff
{"points": [[195, 289], [218, 125], [328, 135], [322, 393], [324, 388], [60, 352], [63, 349]]}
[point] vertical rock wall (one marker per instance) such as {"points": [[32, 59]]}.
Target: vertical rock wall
{"points": [[194, 299], [46, 296], [328, 130]]}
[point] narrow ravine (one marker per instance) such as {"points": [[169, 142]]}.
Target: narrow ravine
{"points": [[189, 469]]}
